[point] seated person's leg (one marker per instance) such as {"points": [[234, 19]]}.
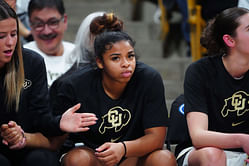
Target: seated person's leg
{"points": [[80, 155], [4, 161], [131, 161], [41, 157], [156, 158], [207, 156]]}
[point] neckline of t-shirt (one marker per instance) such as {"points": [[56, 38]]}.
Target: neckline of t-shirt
{"points": [[229, 75]]}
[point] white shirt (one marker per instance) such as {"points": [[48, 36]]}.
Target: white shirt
{"points": [[55, 65], [243, 3], [22, 6]]}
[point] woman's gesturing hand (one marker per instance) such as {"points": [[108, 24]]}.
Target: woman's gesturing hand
{"points": [[76, 122]]}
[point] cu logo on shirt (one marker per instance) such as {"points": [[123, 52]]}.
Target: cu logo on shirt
{"points": [[27, 83], [116, 118], [237, 103]]}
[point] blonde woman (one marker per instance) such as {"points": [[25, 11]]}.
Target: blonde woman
{"points": [[24, 101]]}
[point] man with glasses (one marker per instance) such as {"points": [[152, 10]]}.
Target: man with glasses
{"points": [[48, 23]]}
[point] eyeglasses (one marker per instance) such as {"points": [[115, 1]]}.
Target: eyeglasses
{"points": [[52, 23]]}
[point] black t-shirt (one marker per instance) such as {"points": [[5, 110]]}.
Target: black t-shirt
{"points": [[210, 89], [34, 114], [141, 106]]}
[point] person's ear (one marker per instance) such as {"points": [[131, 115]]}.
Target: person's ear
{"points": [[229, 41], [65, 22], [99, 63]]}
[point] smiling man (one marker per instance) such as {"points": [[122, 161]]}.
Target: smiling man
{"points": [[48, 23]]}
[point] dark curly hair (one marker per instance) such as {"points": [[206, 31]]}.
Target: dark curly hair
{"points": [[224, 23], [107, 22]]}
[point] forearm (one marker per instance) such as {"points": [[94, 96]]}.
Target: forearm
{"points": [[218, 139], [37, 140], [149, 142], [202, 137]]}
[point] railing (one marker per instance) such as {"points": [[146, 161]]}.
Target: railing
{"points": [[195, 20], [196, 26], [163, 19]]}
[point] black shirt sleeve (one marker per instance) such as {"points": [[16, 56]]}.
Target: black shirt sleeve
{"points": [[37, 94], [194, 89], [61, 96], [155, 113]]}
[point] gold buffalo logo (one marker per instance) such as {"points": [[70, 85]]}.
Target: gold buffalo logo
{"points": [[237, 103], [116, 118]]}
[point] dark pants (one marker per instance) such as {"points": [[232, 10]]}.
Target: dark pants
{"points": [[28, 157]]}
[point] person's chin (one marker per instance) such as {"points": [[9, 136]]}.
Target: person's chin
{"points": [[48, 41], [47, 47]]}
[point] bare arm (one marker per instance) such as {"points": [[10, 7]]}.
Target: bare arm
{"points": [[37, 140], [111, 153], [15, 138], [152, 140], [202, 137]]}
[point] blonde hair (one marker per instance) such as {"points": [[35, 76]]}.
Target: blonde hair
{"points": [[14, 77]]}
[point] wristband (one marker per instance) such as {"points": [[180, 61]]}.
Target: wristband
{"points": [[23, 135], [23, 142], [124, 149]]}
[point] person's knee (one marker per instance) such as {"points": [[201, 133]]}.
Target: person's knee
{"points": [[214, 156], [161, 157], [78, 156], [208, 156]]}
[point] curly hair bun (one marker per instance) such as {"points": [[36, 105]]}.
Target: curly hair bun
{"points": [[105, 23]]}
